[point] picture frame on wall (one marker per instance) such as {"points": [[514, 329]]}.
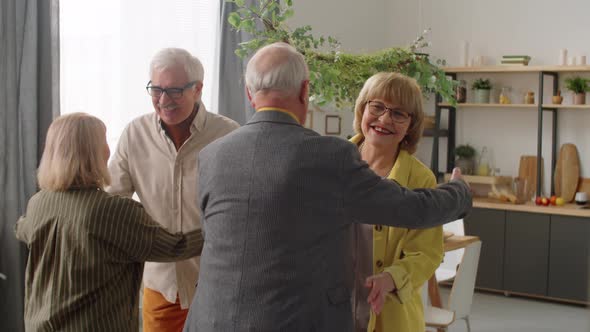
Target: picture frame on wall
{"points": [[309, 120], [332, 124]]}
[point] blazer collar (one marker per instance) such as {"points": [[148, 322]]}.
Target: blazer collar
{"points": [[273, 116], [401, 169]]}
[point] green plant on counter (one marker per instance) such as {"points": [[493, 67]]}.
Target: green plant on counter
{"points": [[465, 151], [481, 84], [335, 76], [577, 84]]}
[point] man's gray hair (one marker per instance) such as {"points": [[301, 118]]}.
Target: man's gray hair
{"points": [[276, 67], [171, 57]]}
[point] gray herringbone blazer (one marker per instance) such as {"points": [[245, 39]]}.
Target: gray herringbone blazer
{"points": [[277, 202]]}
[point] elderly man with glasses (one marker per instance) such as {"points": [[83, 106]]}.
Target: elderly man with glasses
{"points": [[157, 158]]}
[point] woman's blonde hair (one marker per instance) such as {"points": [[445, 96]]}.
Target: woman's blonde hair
{"points": [[401, 90], [74, 156]]}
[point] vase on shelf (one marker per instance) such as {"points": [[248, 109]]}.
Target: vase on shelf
{"points": [[466, 165], [483, 166], [557, 99], [505, 95], [579, 98], [481, 96], [529, 98], [461, 92]]}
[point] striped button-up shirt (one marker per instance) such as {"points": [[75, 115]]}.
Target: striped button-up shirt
{"points": [[146, 162], [86, 254]]}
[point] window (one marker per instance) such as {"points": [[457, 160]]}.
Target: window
{"points": [[106, 47]]}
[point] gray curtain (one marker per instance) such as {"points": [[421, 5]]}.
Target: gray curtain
{"points": [[232, 102], [29, 98]]}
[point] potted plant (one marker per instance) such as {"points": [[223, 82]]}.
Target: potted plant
{"points": [[482, 89], [579, 86], [335, 77], [465, 161]]}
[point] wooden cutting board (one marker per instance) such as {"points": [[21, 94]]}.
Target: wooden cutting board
{"points": [[584, 185], [527, 169], [567, 172]]}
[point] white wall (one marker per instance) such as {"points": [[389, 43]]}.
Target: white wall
{"points": [[493, 28], [360, 26]]}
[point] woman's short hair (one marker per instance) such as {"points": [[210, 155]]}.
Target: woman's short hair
{"points": [[282, 70], [398, 89], [74, 154], [171, 57]]}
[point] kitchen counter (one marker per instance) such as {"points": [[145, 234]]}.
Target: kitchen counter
{"points": [[566, 210]]}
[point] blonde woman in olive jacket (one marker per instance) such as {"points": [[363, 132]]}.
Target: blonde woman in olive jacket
{"points": [[391, 269]]}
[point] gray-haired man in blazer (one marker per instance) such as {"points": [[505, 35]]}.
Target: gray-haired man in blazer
{"points": [[278, 201]]}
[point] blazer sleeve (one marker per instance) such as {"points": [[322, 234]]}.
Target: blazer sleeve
{"points": [[121, 181], [367, 198]]}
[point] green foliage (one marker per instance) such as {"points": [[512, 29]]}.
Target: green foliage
{"points": [[335, 76], [481, 84], [577, 84], [465, 151]]}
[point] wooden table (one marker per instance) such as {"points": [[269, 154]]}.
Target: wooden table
{"points": [[451, 243]]}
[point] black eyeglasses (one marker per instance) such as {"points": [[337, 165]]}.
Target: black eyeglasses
{"points": [[174, 93], [377, 109]]}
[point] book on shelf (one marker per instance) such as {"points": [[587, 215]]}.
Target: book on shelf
{"points": [[519, 60], [516, 57]]}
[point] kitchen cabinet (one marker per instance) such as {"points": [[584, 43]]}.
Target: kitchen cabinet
{"points": [[568, 258], [534, 254], [526, 253], [489, 226]]}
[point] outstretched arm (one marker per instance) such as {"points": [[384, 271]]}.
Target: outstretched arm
{"points": [[126, 226], [368, 199]]}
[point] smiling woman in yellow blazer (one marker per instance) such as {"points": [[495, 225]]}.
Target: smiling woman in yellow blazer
{"points": [[392, 264]]}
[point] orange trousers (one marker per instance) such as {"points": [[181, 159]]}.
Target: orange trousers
{"points": [[159, 315]]}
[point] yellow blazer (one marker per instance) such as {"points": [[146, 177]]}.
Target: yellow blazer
{"points": [[409, 256]]}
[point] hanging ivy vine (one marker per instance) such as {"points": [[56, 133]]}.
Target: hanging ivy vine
{"points": [[335, 76]]}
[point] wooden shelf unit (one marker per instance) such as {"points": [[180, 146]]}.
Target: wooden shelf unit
{"points": [[539, 107], [429, 132], [517, 69], [527, 106], [567, 106], [461, 105], [489, 180]]}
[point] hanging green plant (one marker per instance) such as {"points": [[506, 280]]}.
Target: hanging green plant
{"points": [[335, 76]]}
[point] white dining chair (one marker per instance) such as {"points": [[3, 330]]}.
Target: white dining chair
{"points": [[461, 296], [448, 268]]}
